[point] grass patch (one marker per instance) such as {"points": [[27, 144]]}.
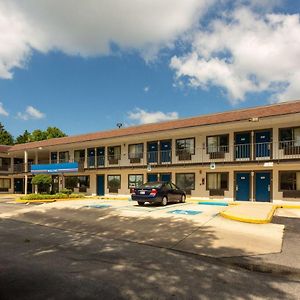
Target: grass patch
{"points": [[50, 197]]}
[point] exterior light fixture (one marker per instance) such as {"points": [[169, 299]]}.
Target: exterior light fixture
{"points": [[254, 119]]}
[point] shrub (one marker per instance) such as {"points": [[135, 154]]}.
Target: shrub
{"points": [[42, 181], [66, 191]]}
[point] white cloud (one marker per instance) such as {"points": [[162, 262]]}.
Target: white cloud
{"points": [[30, 114], [3, 111], [144, 117], [243, 53], [87, 28]]}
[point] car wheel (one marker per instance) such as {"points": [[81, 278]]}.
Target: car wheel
{"points": [[182, 199], [141, 203], [164, 201]]}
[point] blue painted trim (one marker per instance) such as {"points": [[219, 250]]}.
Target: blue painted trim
{"points": [[214, 203]]}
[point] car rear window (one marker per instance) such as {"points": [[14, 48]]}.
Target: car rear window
{"points": [[151, 185]]}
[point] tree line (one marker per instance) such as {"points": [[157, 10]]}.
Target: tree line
{"points": [[6, 138]]}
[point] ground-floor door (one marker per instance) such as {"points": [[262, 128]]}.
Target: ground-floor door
{"points": [[242, 186], [263, 186], [100, 185], [19, 185], [166, 177], [152, 177]]}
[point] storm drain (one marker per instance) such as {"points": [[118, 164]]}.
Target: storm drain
{"points": [[185, 212]]}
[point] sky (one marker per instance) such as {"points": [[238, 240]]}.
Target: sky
{"points": [[85, 66]]}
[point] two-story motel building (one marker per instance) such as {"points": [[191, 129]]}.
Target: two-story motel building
{"points": [[245, 155]]}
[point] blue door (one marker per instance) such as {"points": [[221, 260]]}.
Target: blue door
{"points": [[242, 145], [100, 156], [263, 186], [100, 185], [263, 143], [165, 151], [91, 157], [19, 185], [152, 177], [166, 177], [152, 152], [242, 186]]}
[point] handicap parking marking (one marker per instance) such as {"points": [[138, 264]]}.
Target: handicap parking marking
{"points": [[98, 206], [185, 212]]}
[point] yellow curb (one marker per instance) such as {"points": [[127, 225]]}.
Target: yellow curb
{"points": [[46, 200], [114, 198], [35, 201], [249, 219], [287, 206]]}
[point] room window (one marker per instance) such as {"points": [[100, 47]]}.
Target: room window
{"points": [[185, 148], [80, 182], [135, 181], [79, 156], [135, 152], [63, 156], [113, 183], [289, 183], [4, 184], [53, 157], [290, 140], [217, 145], [186, 181], [217, 183], [4, 163], [114, 154]]}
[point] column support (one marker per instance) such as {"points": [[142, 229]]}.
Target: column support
{"points": [[26, 171]]}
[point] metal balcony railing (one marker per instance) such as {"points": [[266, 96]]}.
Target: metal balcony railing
{"points": [[255, 152]]}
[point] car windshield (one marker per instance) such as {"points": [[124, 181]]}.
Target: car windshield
{"points": [[151, 185]]}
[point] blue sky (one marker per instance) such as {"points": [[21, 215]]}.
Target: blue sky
{"points": [[193, 59]]}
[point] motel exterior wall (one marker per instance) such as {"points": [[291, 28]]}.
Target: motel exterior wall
{"points": [[199, 163]]}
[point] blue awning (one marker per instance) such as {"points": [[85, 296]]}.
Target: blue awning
{"points": [[55, 168]]}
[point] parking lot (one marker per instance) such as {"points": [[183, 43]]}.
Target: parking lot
{"points": [[91, 249], [186, 227]]}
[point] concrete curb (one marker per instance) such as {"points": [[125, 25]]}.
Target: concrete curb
{"points": [[263, 267], [254, 220]]}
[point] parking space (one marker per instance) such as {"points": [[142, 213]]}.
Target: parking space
{"points": [[186, 227]]}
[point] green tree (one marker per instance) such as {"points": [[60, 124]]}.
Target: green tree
{"points": [[43, 182], [5, 137], [23, 138], [54, 132], [38, 135]]}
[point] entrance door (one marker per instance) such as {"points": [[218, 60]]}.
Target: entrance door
{"points": [[100, 185], [100, 156], [263, 143], [242, 186], [165, 177], [91, 157], [165, 151], [263, 186], [152, 152], [242, 145], [19, 185], [152, 177]]}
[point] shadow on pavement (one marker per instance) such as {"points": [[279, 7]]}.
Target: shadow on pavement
{"points": [[96, 254]]}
